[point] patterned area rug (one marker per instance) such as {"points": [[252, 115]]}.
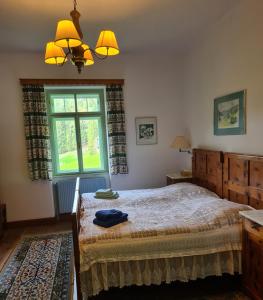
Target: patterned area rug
{"points": [[38, 269]]}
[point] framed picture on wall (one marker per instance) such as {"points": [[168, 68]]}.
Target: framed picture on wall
{"points": [[230, 114], [146, 130]]}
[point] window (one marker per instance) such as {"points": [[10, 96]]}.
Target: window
{"points": [[78, 130]]}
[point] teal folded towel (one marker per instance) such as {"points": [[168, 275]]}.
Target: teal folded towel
{"points": [[104, 191], [113, 195], [105, 194]]}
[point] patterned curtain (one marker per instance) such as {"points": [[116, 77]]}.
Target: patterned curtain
{"points": [[116, 130], [37, 132]]}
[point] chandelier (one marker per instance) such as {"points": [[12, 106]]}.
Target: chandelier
{"points": [[69, 36]]}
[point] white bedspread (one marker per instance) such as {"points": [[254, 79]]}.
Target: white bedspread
{"points": [[174, 221]]}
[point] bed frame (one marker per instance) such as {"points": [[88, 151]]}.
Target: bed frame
{"points": [[237, 177], [207, 169], [75, 216], [243, 179]]}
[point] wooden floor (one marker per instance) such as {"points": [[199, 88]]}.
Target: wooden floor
{"points": [[226, 288], [213, 288]]}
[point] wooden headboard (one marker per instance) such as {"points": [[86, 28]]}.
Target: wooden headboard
{"points": [[243, 179], [207, 169]]}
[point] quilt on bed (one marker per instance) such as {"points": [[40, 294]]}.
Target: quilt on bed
{"points": [[173, 221]]}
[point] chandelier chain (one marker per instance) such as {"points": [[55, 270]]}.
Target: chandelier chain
{"points": [[75, 4]]}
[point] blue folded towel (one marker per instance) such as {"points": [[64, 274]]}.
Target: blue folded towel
{"points": [[106, 214], [111, 222]]}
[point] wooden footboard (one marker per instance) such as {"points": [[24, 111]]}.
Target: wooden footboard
{"points": [[75, 215]]}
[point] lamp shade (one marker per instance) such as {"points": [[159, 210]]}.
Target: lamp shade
{"points": [[180, 142], [54, 54], [87, 55], [107, 43], [67, 35]]}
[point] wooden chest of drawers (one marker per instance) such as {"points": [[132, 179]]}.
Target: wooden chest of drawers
{"points": [[253, 255]]}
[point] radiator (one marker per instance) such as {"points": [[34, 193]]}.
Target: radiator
{"points": [[65, 189]]}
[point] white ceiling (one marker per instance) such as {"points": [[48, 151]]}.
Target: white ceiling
{"points": [[26, 25]]}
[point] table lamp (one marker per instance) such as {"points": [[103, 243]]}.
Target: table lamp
{"points": [[183, 145]]}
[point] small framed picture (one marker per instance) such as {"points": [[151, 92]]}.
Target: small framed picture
{"points": [[146, 130], [230, 114]]}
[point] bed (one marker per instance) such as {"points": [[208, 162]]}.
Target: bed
{"points": [[179, 232]]}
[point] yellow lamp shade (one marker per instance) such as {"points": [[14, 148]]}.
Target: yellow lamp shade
{"points": [[54, 54], [107, 43], [87, 55], [67, 35], [180, 142]]}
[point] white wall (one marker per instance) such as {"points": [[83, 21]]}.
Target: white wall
{"points": [[152, 88], [229, 59]]}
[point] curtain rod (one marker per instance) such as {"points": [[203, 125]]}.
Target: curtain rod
{"points": [[24, 81]]}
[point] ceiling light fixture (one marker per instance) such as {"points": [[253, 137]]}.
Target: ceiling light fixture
{"points": [[69, 36]]}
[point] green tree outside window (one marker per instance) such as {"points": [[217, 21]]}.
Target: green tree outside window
{"points": [[78, 130]]}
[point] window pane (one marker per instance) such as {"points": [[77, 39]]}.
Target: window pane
{"points": [[62, 103], [88, 103], [91, 141], [66, 145]]}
